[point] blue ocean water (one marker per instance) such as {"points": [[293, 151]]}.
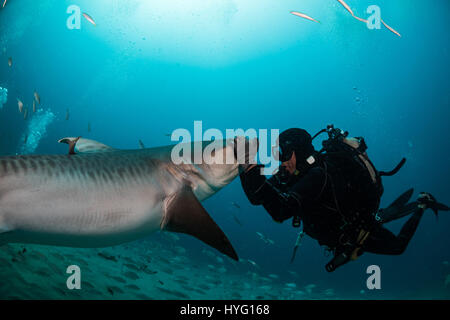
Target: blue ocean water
{"points": [[149, 67]]}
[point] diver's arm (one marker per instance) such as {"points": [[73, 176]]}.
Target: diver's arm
{"points": [[262, 191], [296, 200], [255, 185]]}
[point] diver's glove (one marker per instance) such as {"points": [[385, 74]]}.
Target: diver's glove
{"points": [[427, 201]]}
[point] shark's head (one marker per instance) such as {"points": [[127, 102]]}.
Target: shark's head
{"points": [[200, 174], [220, 163]]}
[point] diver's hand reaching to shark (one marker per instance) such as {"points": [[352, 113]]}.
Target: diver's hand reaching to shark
{"points": [[245, 151]]}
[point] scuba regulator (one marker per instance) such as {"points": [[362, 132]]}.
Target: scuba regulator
{"points": [[283, 176], [341, 137]]}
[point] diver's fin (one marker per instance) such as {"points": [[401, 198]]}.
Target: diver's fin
{"points": [[398, 209], [393, 212], [441, 207], [81, 145], [430, 202], [436, 207], [185, 214], [402, 199]]}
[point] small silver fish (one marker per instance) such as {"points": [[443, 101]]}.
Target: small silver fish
{"points": [[107, 257], [89, 18], [25, 114], [295, 274], [67, 114], [360, 19], [115, 289], [118, 279], [346, 7], [34, 106], [302, 15], [131, 275], [10, 62], [37, 98], [237, 220], [264, 238], [131, 266], [390, 29], [253, 263], [20, 105], [132, 287]]}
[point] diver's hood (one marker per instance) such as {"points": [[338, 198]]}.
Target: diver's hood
{"points": [[298, 141]]}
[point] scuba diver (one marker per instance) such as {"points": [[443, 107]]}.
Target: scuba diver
{"points": [[335, 195]]}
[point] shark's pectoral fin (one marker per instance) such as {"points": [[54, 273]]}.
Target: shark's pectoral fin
{"points": [[185, 214], [81, 145]]}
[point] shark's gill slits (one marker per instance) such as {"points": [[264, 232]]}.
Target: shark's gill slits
{"points": [[92, 176], [33, 165], [23, 165], [109, 176], [4, 166], [14, 166]]}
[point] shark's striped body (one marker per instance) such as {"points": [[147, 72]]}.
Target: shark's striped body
{"points": [[101, 199]]}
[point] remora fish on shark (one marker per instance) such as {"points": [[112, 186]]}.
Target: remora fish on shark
{"points": [[104, 196]]}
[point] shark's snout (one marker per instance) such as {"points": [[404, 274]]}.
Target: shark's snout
{"points": [[245, 150]]}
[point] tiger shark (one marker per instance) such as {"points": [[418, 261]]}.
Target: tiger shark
{"points": [[98, 196]]}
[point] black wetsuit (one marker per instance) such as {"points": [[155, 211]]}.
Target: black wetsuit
{"points": [[325, 204]]}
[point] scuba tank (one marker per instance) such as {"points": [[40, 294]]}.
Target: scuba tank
{"points": [[365, 182], [348, 159], [338, 137]]}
